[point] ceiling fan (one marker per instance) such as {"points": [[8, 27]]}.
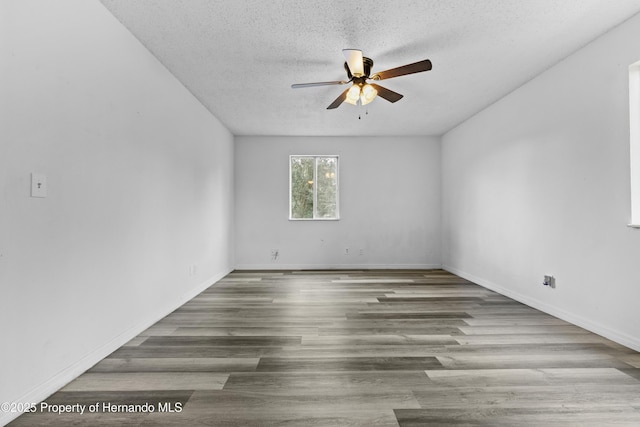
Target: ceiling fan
{"points": [[358, 70]]}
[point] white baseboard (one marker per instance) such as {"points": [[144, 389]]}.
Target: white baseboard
{"points": [[604, 331], [276, 266], [72, 372]]}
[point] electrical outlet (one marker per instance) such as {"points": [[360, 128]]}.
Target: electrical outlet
{"points": [[346, 251], [192, 270], [361, 252], [274, 254], [549, 281]]}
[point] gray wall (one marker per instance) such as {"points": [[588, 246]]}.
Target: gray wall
{"points": [[539, 183], [389, 204], [140, 180]]}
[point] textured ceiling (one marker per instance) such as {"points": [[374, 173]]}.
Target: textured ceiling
{"points": [[240, 57]]}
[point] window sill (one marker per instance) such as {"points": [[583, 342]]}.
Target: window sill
{"points": [[314, 219], [633, 225]]}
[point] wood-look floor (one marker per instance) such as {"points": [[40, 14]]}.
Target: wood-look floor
{"points": [[366, 348]]}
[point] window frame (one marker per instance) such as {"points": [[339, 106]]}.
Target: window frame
{"points": [[634, 141], [315, 193]]}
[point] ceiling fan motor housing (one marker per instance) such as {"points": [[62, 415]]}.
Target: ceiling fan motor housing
{"points": [[367, 65]]}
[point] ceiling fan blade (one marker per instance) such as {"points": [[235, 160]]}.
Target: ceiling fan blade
{"points": [[301, 85], [339, 100], [354, 61], [416, 67], [385, 93]]}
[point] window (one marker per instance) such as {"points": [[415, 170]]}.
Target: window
{"points": [[313, 187], [634, 122]]}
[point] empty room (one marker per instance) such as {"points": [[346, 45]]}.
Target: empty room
{"points": [[322, 213]]}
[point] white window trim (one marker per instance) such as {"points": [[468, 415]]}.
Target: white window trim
{"points": [[634, 141], [315, 195]]}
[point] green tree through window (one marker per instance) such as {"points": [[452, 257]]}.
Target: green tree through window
{"points": [[313, 187]]}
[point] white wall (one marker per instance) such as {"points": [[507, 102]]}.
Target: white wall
{"points": [[140, 188], [389, 204], [538, 183]]}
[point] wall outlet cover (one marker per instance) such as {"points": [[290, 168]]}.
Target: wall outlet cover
{"points": [[549, 281]]}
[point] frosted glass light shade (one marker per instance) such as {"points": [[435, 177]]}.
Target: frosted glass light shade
{"points": [[353, 95], [367, 94]]}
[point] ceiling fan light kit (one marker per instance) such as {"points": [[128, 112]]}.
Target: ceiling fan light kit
{"points": [[358, 70], [360, 94]]}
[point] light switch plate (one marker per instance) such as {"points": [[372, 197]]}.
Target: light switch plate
{"points": [[38, 185]]}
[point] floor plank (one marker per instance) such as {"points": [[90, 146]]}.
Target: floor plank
{"points": [[145, 381]]}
